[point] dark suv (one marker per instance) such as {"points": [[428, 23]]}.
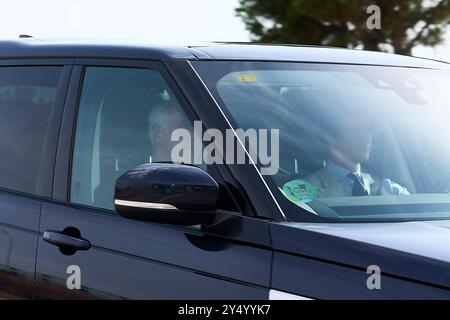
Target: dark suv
{"points": [[120, 173]]}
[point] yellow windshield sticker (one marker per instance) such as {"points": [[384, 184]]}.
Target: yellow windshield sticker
{"points": [[246, 77]]}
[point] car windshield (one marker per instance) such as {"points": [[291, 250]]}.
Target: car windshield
{"points": [[354, 143]]}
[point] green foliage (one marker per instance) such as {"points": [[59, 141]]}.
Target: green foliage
{"points": [[404, 23]]}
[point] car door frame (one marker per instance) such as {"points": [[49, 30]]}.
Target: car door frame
{"points": [[21, 221], [46, 175], [248, 180], [248, 228], [244, 180]]}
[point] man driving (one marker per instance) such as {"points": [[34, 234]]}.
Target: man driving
{"points": [[350, 145], [163, 120]]}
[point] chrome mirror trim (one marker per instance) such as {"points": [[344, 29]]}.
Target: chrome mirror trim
{"points": [[145, 205]]}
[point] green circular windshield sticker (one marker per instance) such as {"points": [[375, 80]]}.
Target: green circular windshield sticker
{"points": [[299, 191]]}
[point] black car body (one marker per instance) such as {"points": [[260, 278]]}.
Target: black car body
{"points": [[249, 250]]}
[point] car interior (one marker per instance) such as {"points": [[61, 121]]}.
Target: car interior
{"points": [[303, 147], [117, 117], [28, 105]]}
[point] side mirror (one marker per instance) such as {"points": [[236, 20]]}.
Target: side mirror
{"points": [[167, 193]]}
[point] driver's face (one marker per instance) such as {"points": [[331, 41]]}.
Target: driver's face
{"points": [[161, 133], [175, 119], [355, 138]]}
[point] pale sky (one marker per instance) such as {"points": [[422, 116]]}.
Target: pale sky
{"points": [[155, 21]]}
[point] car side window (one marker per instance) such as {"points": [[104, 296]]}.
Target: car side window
{"points": [[126, 118], [27, 95]]}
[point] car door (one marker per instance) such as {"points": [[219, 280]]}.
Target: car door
{"points": [[31, 95], [86, 250]]}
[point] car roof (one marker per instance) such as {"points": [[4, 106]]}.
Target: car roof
{"points": [[316, 54], [36, 48]]}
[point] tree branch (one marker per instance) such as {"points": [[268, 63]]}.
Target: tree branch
{"points": [[428, 22]]}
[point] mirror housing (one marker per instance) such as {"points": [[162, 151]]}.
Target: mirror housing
{"points": [[167, 193]]}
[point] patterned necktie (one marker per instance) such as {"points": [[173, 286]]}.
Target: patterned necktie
{"points": [[358, 185]]}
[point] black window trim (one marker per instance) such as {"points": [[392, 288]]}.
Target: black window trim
{"points": [[44, 181], [63, 168], [246, 178], [229, 225]]}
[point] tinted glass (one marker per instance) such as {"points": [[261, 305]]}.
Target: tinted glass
{"points": [[356, 143], [27, 95], [126, 118]]}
